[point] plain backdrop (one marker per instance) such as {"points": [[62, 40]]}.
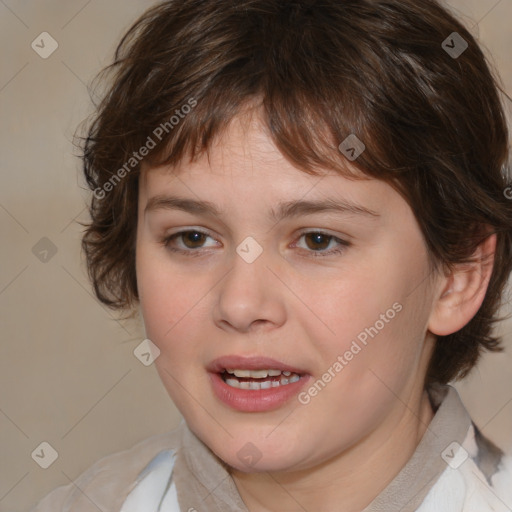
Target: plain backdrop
{"points": [[68, 375]]}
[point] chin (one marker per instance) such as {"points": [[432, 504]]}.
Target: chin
{"points": [[255, 454]]}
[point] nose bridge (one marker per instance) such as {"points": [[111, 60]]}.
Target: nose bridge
{"points": [[245, 295], [248, 273]]}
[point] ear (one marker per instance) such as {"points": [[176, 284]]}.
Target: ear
{"points": [[462, 291]]}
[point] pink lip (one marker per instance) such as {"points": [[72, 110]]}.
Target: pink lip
{"points": [[250, 363], [259, 400]]}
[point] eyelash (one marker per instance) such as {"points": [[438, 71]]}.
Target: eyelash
{"points": [[196, 252]]}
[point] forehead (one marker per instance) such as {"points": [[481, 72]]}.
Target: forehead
{"points": [[244, 167], [245, 149]]}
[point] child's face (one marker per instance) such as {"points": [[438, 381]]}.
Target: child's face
{"points": [[302, 311]]}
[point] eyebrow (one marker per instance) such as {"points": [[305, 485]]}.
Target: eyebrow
{"points": [[283, 210]]}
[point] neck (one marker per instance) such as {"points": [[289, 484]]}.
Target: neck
{"points": [[350, 481]]}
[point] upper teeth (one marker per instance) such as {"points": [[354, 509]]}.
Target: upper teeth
{"points": [[257, 374]]}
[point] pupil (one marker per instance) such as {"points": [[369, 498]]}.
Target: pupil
{"points": [[194, 235], [317, 236]]}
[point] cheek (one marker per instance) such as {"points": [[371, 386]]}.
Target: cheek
{"points": [[163, 296], [370, 318], [171, 312], [371, 377], [175, 308], [343, 308], [158, 306]]}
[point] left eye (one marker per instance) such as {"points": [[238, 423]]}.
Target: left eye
{"points": [[320, 238], [193, 240]]}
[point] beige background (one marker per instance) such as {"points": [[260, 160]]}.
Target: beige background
{"points": [[68, 375]]}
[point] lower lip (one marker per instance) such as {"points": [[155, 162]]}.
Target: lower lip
{"points": [[256, 400]]}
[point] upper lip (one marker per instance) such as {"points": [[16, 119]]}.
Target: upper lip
{"points": [[250, 363]]}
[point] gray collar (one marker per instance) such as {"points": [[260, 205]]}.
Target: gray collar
{"points": [[409, 488]]}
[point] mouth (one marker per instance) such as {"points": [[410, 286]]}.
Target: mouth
{"points": [[255, 384]]}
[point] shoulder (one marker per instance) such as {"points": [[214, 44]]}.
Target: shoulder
{"points": [[105, 484], [477, 479]]}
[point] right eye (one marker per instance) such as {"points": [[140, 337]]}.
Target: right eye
{"points": [[193, 237]]}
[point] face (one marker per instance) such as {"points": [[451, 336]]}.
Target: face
{"points": [[286, 334]]}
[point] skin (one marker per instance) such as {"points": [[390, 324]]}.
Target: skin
{"points": [[341, 449]]}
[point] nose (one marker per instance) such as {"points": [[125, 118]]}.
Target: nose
{"points": [[251, 296]]}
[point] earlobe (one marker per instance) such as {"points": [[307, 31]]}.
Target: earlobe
{"points": [[463, 291]]}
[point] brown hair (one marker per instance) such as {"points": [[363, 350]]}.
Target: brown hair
{"points": [[431, 121]]}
